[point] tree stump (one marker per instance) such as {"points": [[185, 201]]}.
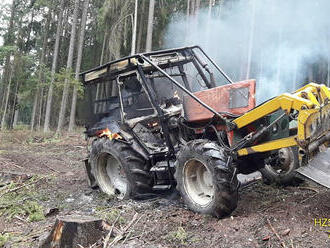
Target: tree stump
{"points": [[72, 231]]}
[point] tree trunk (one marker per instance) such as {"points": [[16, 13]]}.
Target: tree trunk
{"points": [[105, 37], [251, 38], [2, 94], [34, 110], [78, 64], [140, 27], [14, 107], [192, 7], [3, 121], [15, 118], [198, 3], [41, 68], [211, 2], [187, 28], [9, 40], [125, 34], [134, 28], [150, 25], [54, 65], [61, 116]]}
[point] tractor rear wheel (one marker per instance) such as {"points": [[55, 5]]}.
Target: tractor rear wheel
{"points": [[281, 166], [119, 170], [206, 183]]}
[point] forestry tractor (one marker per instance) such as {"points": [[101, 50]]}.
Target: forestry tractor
{"points": [[173, 118]]}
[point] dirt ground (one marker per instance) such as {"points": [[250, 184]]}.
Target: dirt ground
{"points": [[44, 174]]}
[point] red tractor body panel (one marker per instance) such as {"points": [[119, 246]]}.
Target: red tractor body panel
{"points": [[235, 98]]}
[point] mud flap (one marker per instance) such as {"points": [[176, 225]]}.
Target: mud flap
{"points": [[90, 177], [318, 169]]}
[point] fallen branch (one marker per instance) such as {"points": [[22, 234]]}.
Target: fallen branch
{"points": [[308, 198], [19, 218], [17, 166], [123, 231], [126, 238], [52, 169], [15, 203], [107, 238], [309, 188], [276, 234], [22, 186]]}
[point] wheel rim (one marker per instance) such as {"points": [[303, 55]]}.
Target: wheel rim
{"points": [[284, 163], [198, 182], [112, 178]]}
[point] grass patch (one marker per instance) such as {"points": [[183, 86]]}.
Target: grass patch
{"points": [[109, 214], [44, 139], [23, 202], [180, 235], [4, 238]]}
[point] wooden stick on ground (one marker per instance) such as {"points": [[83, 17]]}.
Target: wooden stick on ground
{"points": [[52, 169], [276, 234], [22, 186], [129, 233], [306, 199], [107, 238], [308, 188], [123, 231]]}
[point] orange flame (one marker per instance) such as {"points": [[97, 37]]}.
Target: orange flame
{"points": [[109, 134]]}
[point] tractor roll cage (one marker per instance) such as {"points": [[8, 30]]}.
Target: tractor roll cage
{"points": [[138, 60]]}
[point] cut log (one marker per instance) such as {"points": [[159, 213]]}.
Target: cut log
{"points": [[75, 231]]}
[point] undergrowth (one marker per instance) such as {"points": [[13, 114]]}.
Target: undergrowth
{"points": [[21, 202], [180, 235], [110, 215], [4, 238]]}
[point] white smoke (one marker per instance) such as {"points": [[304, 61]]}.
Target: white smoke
{"points": [[283, 39]]}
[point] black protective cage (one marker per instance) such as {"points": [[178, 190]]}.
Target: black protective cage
{"points": [[110, 73]]}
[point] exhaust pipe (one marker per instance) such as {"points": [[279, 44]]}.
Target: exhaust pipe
{"points": [[314, 145]]}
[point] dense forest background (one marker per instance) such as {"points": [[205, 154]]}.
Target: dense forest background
{"points": [[46, 43]]}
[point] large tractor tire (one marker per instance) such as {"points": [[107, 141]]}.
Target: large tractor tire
{"points": [[281, 169], [205, 182], [119, 170]]}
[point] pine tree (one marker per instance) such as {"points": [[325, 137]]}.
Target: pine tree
{"points": [[78, 65], [64, 101]]}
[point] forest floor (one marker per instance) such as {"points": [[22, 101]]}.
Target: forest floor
{"points": [[42, 177]]}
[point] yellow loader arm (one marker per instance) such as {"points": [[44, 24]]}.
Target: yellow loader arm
{"points": [[312, 104]]}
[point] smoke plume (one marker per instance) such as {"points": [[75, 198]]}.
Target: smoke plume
{"points": [[282, 44]]}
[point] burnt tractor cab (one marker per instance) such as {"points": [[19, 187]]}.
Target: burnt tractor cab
{"points": [[167, 118]]}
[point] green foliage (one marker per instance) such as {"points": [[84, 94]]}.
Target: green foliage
{"points": [[4, 238], [34, 211], [6, 50], [67, 75], [110, 215], [180, 235], [44, 3], [23, 202]]}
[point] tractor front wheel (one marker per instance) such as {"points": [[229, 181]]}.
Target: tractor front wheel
{"points": [[205, 181], [119, 170]]}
